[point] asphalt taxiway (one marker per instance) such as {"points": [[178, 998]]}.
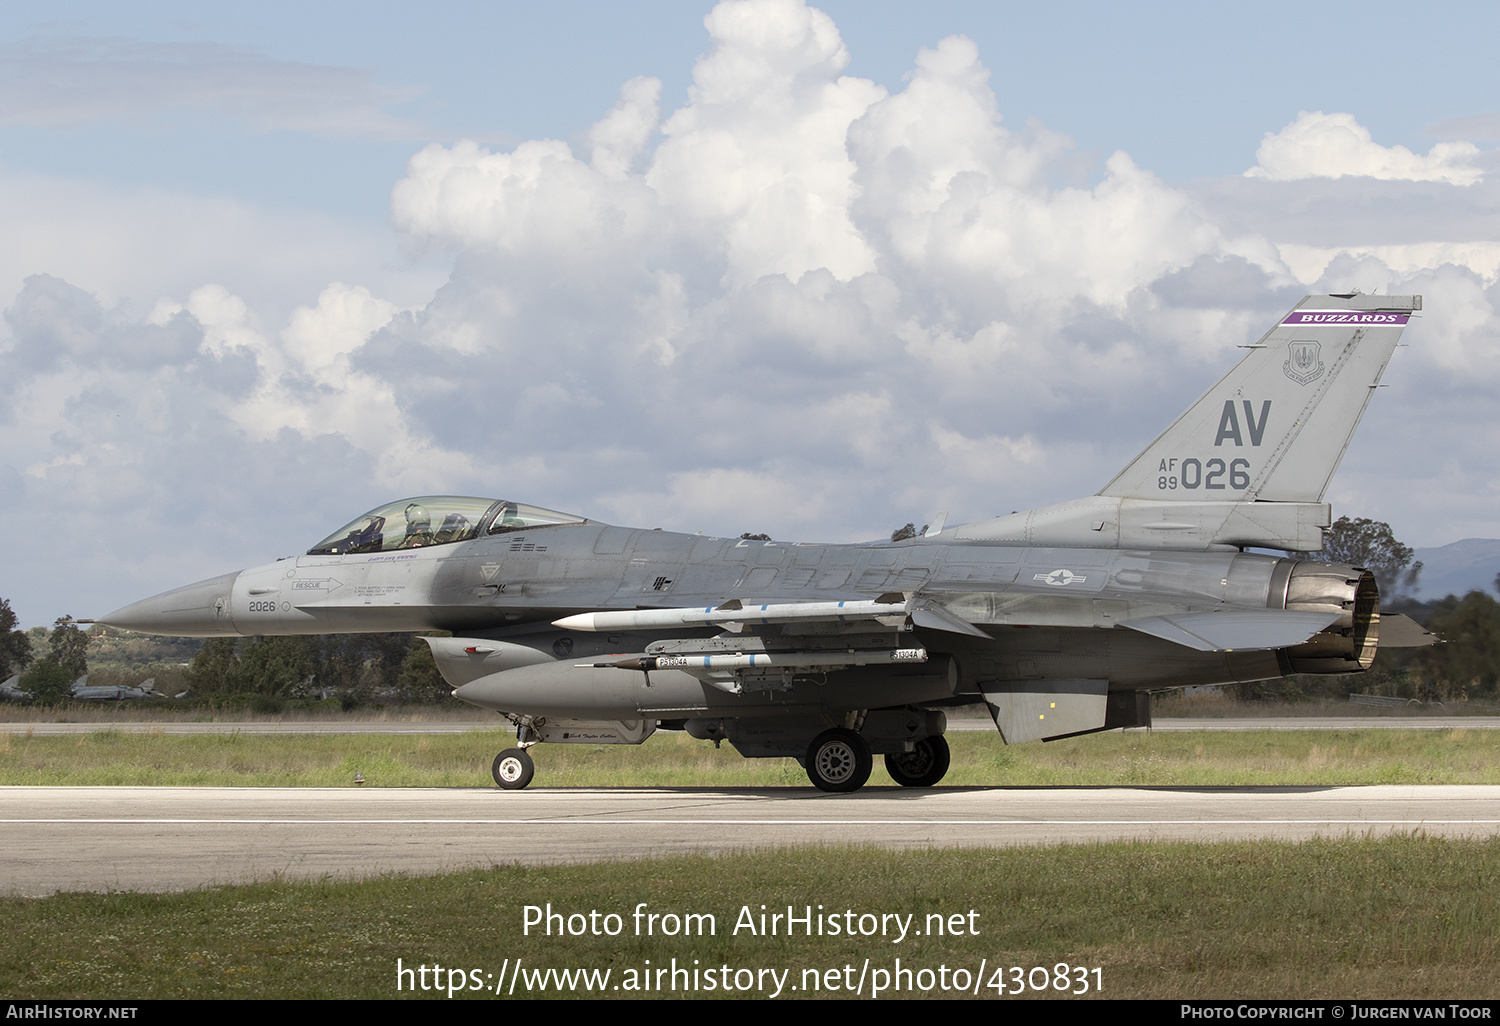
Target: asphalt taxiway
{"points": [[163, 839]]}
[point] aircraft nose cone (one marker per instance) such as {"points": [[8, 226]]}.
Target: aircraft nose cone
{"points": [[198, 610]]}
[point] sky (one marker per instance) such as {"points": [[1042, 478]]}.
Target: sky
{"points": [[754, 266]]}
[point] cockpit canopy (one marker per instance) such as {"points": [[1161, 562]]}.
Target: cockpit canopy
{"points": [[435, 520]]}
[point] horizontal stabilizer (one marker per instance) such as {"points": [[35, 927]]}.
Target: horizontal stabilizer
{"points": [[1397, 630], [1240, 630]]}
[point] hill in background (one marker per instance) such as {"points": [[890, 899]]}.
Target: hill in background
{"points": [[1459, 568]]}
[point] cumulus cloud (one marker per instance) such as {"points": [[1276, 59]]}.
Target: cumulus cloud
{"points": [[797, 303], [622, 136], [188, 438], [966, 205], [137, 243], [61, 82], [1319, 145]]}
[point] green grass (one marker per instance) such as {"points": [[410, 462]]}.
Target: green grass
{"points": [[462, 760], [1400, 917]]}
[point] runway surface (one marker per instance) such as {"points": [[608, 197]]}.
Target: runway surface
{"points": [[465, 726], [162, 839]]}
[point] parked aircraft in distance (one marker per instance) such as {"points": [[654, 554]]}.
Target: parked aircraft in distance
{"points": [[81, 689], [1062, 620]]}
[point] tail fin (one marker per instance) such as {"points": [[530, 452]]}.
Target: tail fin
{"points": [[1248, 463], [1277, 425]]}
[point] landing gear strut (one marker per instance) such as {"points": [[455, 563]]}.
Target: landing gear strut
{"points": [[513, 769], [923, 766], [839, 760]]}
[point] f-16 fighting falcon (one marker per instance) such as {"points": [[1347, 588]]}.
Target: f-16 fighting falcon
{"points": [[1062, 620]]}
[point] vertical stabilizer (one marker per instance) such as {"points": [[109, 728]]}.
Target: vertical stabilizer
{"points": [[1276, 426]]}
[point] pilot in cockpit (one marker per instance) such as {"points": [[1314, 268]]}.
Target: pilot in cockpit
{"points": [[418, 526]]}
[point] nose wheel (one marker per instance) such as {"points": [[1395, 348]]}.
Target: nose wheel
{"points": [[513, 769]]}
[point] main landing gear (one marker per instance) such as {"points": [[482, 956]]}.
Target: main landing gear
{"points": [[513, 769], [923, 766], [839, 760]]}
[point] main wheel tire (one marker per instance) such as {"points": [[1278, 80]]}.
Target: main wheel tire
{"points": [[839, 760], [923, 766], [513, 769]]}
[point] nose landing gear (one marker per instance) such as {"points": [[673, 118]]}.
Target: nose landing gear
{"points": [[513, 769]]}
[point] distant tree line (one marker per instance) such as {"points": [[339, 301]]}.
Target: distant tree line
{"points": [[1466, 664], [48, 677], [15, 646], [353, 668], [350, 668]]}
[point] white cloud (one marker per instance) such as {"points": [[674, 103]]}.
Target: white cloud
{"points": [[724, 496], [757, 157], [133, 245], [322, 337], [538, 200], [623, 135], [1319, 145], [752, 175], [63, 82], [966, 204], [1308, 263]]}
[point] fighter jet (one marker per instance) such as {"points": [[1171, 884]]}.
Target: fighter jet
{"points": [[1062, 620], [81, 689], [84, 691]]}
